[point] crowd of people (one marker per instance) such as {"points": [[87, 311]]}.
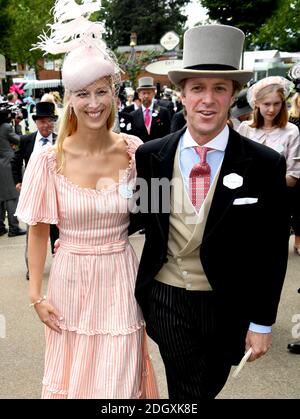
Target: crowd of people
{"points": [[229, 156]]}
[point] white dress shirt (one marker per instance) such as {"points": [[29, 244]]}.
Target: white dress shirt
{"points": [[38, 145]]}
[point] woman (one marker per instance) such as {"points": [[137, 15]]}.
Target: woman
{"points": [[295, 119], [95, 334], [270, 126], [295, 110]]}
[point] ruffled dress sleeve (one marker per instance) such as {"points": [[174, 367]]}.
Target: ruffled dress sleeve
{"points": [[133, 144], [38, 198]]}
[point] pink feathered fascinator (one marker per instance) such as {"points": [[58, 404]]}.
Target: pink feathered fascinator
{"points": [[285, 84], [88, 58]]}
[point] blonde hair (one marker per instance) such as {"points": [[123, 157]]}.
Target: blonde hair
{"points": [[48, 97], [68, 124], [56, 97], [295, 109], [281, 119]]}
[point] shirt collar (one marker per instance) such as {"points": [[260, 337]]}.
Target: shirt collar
{"points": [[39, 136], [217, 143], [150, 107]]}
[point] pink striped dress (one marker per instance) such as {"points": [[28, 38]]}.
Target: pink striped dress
{"points": [[102, 351]]}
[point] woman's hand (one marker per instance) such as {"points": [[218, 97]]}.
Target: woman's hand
{"points": [[48, 315]]}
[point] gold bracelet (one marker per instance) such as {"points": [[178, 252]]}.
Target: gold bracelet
{"points": [[38, 301]]}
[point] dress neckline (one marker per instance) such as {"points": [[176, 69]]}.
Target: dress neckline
{"points": [[114, 185]]}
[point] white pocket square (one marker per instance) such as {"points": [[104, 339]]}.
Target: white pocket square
{"points": [[245, 201]]}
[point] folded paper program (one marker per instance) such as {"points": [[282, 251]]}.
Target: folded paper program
{"points": [[242, 363]]}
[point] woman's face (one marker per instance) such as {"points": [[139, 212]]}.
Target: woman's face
{"points": [[93, 104], [270, 106]]}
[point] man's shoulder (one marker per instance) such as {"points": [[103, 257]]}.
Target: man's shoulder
{"points": [[136, 112], [154, 146], [162, 110], [125, 115], [28, 137]]}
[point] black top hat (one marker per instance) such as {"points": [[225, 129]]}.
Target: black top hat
{"points": [[45, 110], [241, 106]]}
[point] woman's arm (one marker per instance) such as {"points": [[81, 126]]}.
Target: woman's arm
{"points": [[37, 251]]}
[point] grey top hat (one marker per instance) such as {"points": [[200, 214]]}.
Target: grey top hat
{"points": [[241, 106], [214, 51], [146, 83]]}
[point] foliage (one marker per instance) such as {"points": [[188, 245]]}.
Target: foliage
{"points": [[282, 30], [26, 20], [247, 15], [150, 19], [132, 65]]}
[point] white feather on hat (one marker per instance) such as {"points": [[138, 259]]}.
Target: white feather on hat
{"points": [[88, 57]]}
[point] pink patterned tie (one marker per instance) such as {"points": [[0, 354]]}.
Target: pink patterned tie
{"points": [[199, 179], [147, 119]]}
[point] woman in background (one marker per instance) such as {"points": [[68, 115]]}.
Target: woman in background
{"points": [[270, 126]]}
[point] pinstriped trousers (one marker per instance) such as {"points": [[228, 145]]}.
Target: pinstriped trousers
{"points": [[185, 326]]}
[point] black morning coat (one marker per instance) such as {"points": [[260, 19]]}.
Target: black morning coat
{"points": [[244, 249], [23, 154]]}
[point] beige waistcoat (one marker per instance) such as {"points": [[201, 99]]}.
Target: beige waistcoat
{"points": [[184, 268]]}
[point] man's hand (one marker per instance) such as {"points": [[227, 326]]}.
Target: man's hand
{"points": [[259, 342], [291, 181], [56, 246], [18, 187]]}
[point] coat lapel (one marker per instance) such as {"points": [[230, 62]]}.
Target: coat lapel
{"points": [[30, 144], [162, 163], [235, 161]]}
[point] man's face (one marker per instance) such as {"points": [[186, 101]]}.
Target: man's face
{"points": [[207, 102], [146, 96], [45, 126]]}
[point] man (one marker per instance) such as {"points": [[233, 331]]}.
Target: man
{"points": [[178, 121], [214, 259], [241, 111], [123, 120], [150, 121], [8, 194], [134, 106], [44, 118], [166, 101]]}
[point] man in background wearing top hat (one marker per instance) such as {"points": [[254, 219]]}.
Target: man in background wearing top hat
{"points": [[136, 103], [241, 110], [215, 258], [44, 118], [150, 120]]}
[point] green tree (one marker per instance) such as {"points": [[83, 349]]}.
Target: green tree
{"points": [[282, 30], [149, 19], [133, 67], [247, 15], [5, 26], [28, 19]]}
